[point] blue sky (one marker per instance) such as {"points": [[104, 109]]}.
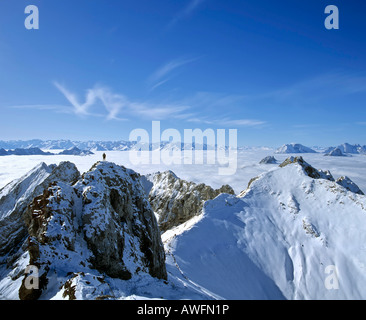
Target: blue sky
{"points": [[98, 69]]}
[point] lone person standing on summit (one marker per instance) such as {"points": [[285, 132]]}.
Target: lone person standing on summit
{"points": [[104, 156]]}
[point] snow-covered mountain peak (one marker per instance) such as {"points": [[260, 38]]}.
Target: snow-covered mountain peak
{"points": [[100, 224], [321, 174], [281, 237], [336, 152], [294, 148], [344, 149], [308, 169]]}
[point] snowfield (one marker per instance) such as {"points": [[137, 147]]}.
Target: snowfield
{"points": [[286, 235], [277, 240]]}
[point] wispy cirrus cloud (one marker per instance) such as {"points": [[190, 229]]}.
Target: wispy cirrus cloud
{"points": [[317, 88], [213, 110], [241, 122], [78, 107], [115, 104], [46, 107], [228, 122], [201, 108], [164, 72], [148, 110], [188, 10], [112, 102]]}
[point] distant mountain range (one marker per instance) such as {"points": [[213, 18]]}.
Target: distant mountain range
{"points": [[294, 148], [75, 151], [24, 152], [121, 145], [348, 148], [340, 150], [37, 151], [66, 145], [37, 147]]}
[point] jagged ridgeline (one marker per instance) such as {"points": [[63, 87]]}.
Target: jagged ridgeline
{"points": [[175, 200], [73, 226], [111, 233]]}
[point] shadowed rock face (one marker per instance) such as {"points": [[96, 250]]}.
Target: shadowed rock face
{"points": [[119, 225], [101, 221], [17, 195], [349, 185], [268, 160], [175, 200]]}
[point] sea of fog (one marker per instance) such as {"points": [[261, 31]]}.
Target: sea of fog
{"points": [[247, 166]]}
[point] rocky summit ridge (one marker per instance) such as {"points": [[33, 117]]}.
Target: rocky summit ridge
{"points": [[71, 226], [111, 233]]}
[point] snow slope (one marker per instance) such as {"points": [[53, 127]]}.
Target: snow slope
{"points": [[336, 152], [294, 148], [280, 239]]}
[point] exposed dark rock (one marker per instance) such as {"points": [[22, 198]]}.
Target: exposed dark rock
{"points": [[17, 195], [175, 201], [103, 221], [308, 169], [268, 160], [347, 183]]}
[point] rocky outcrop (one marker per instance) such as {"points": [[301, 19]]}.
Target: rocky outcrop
{"points": [[96, 225], [268, 160], [347, 183], [175, 200], [308, 169], [17, 195], [119, 225], [320, 174]]}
